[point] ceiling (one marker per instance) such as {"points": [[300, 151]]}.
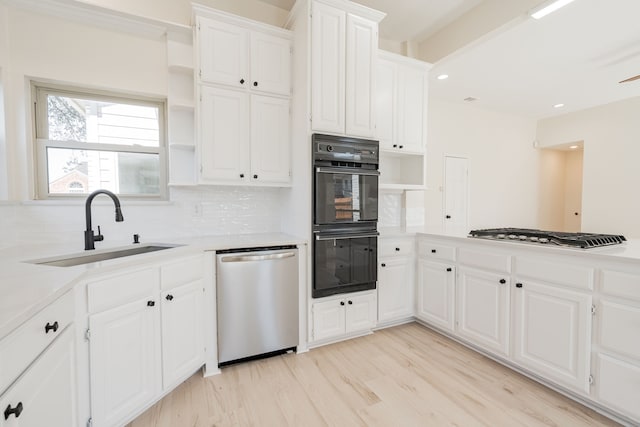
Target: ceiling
{"points": [[575, 56]]}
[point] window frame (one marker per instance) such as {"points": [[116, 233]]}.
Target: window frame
{"points": [[41, 141]]}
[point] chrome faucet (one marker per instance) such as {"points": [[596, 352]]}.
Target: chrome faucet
{"points": [[89, 237]]}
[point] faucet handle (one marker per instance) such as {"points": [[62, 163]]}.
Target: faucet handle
{"points": [[98, 237]]}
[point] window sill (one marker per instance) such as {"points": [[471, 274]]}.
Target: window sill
{"points": [[81, 202]]}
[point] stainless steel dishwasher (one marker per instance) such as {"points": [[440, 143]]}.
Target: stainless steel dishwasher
{"points": [[257, 302]]}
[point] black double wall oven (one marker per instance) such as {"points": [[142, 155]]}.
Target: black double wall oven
{"points": [[345, 214]]}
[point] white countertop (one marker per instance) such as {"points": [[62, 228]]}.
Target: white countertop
{"points": [[27, 288]]}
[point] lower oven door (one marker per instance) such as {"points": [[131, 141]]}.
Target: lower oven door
{"points": [[345, 195], [345, 262]]}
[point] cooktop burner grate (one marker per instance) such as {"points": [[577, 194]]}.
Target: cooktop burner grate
{"points": [[576, 240]]}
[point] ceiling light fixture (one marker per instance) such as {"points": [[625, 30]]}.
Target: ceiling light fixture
{"points": [[573, 147], [443, 76], [558, 106], [548, 7]]}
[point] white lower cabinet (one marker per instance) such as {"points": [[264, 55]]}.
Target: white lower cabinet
{"points": [[344, 314], [618, 385], [45, 394], [436, 294], [483, 309], [395, 289], [125, 360], [182, 332], [552, 333]]}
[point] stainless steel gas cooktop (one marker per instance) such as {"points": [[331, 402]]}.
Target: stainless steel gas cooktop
{"points": [[575, 240]]}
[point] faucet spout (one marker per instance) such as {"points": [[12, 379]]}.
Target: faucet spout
{"points": [[89, 236]]}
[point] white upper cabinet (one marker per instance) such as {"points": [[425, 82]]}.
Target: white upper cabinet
{"points": [[270, 148], [235, 56], [343, 58], [401, 103]]}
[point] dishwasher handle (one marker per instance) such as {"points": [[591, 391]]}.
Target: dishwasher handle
{"points": [[249, 258]]}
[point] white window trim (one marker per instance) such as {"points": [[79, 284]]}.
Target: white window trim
{"points": [[40, 91]]}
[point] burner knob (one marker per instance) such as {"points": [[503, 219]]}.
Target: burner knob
{"points": [[501, 236], [329, 148], [543, 240], [522, 237], [513, 236]]}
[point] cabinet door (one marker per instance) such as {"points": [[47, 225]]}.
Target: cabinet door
{"points": [[361, 313], [395, 289], [223, 53], [553, 332], [182, 332], [412, 84], [385, 103], [224, 135], [328, 319], [125, 360], [270, 143], [45, 394], [618, 385], [270, 63], [436, 287], [483, 309], [361, 55], [328, 68]]}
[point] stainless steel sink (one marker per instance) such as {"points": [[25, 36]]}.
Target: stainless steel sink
{"points": [[70, 261]]}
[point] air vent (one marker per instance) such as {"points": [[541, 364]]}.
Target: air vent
{"points": [[470, 99]]}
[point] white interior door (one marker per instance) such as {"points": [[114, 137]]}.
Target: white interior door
{"points": [[456, 193]]}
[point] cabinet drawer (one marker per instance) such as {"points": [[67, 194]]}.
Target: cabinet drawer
{"points": [[485, 260], [181, 272], [396, 247], [620, 284], [439, 251], [619, 326], [23, 345], [554, 272], [618, 385], [117, 290]]}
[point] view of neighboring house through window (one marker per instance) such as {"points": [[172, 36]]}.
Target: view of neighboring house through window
{"points": [[87, 141]]}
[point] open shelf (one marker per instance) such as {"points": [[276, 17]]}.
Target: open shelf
{"points": [[402, 171]]}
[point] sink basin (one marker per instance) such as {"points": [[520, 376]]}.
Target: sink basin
{"points": [[70, 261]]}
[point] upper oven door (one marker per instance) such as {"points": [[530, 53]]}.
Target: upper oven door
{"points": [[345, 195]]}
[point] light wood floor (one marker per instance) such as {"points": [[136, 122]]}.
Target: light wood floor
{"points": [[402, 376]]}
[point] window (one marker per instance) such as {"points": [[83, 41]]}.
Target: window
{"points": [[87, 141]]}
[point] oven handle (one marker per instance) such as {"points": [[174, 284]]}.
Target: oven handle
{"points": [[353, 171], [346, 236]]}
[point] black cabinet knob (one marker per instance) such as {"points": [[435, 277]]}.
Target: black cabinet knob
{"points": [[241, 175], [255, 84], [151, 303], [433, 251], [395, 145], [397, 249], [255, 176], [502, 281], [518, 285], [401, 146], [169, 297], [383, 265], [48, 327], [241, 81], [15, 411], [350, 302], [449, 269], [341, 302], [448, 216]]}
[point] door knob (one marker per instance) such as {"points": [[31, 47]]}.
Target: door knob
{"points": [[502, 281]]}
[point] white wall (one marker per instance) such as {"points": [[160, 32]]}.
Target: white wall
{"points": [[611, 135], [4, 63], [552, 189], [79, 54], [503, 179]]}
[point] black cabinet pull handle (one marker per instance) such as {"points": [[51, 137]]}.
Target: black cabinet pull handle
{"points": [[518, 285], [448, 268], [383, 265], [49, 327], [433, 251], [241, 175], [502, 281], [255, 176], [350, 302], [151, 303], [15, 411], [241, 81], [255, 83], [341, 302], [169, 297]]}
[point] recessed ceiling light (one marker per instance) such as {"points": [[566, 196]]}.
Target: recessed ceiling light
{"points": [[573, 147], [548, 7], [470, 99], [443, 76], [558, 106]]}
